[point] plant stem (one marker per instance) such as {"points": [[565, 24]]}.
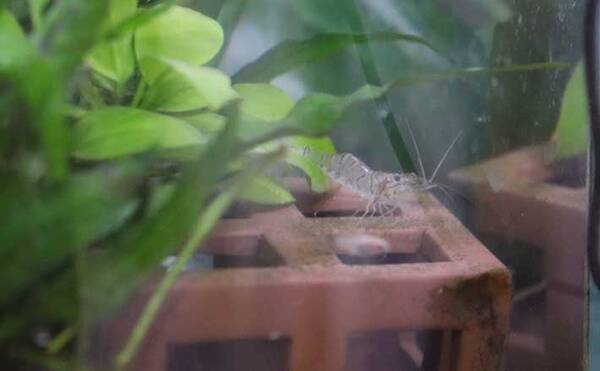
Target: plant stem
{"points": [[35, 11], [382, 104], [60, 340], [274, 134], [140, 90], [228, 18], [91, 96], [205, 223], [39, 361]]}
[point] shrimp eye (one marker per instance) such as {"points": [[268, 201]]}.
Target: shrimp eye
{"points": [[397, 177]]}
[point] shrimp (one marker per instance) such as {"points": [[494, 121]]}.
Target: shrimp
{"points": [[384, 191]]}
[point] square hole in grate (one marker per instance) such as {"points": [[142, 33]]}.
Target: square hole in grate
{"points": [[246, 209], [352, 208], [343, 203], [390, 247], [570, 172], [345, 213], [236, 252], [235, 355], [391, 350]]}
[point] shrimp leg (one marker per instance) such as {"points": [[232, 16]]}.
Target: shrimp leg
{"points": [[366, 211], [380, 209]]}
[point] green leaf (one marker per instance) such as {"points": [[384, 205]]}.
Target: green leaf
{"points": [[36, 8], [39, 84], [571, 132], [114, 58], [208, 123], [264, 101], [179, 34], [48, 226], [118, 11], [317, 178], [315, 114], [321, 145], [293, 54], [184, 87], [445, 28], [113, 132], [72, 30], [15, 46], [263, 190], [141, 17]]}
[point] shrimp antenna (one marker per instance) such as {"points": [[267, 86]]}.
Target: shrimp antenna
{"points": [[414, 142], [446, 192], [439, 165]]}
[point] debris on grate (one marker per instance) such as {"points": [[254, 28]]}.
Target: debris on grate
{"points": [[373, 249]]}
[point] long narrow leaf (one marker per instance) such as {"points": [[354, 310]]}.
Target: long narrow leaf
{"points": [[293, 54], [382, 104], [204, 225], [36, 9], [315, 114], [38, 84], [476, 71], [71, 29], [15, 46], [44, 101], [228, 18]]}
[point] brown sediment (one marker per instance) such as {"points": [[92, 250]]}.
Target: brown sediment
{"points": [[472, 298]]}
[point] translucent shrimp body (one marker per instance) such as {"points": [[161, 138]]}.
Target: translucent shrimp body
{"points": [[384, 191]]}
